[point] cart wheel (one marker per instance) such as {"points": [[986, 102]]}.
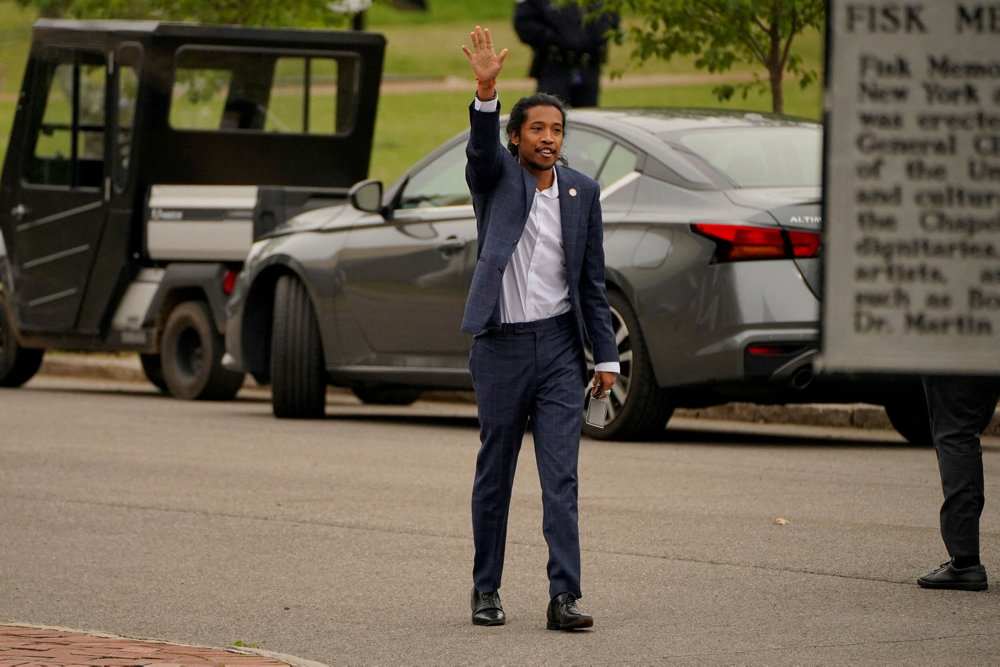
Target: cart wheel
{"points": [[191, 356]]}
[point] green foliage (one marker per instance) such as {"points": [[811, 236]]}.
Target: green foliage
{"points": [[721, 34], [242, 12], [300, 13]]}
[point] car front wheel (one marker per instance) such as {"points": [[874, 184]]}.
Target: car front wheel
{"points": [[298, 376], [638, 408]]}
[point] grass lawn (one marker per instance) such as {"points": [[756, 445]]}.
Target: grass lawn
{"points": [[15, 38]]}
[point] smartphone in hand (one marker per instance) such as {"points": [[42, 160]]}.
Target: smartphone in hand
{"points": [[597, 411]]}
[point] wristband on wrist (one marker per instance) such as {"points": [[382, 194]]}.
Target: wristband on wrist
{"points": [[486, 84], [488, 99]]}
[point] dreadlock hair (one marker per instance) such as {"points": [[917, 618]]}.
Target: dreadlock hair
{"points": [[518, 112]]}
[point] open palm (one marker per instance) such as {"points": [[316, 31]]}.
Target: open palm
{"points": [[484, 60]]}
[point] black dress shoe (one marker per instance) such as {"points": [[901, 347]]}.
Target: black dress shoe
{"points": [[972, 578], [563, 614], [486, 609]]}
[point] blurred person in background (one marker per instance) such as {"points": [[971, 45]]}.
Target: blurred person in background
{"points": [[569, 47]]}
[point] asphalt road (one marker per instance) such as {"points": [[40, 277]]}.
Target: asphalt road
{"points": [[347, 540]]}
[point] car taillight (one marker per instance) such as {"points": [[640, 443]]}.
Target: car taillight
{"points": [[229, 282], [766, 350], [736, 243]]}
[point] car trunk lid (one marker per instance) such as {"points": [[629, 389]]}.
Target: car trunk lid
{"points": [[793, 209]]}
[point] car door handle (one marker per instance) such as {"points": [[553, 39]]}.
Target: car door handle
{"points": [[452, 245], [19, 212]]}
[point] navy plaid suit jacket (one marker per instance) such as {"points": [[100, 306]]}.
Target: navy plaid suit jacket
{"points": [[502, 194]]}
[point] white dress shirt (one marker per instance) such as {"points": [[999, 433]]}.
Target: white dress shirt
{"points": [[534, 285]]}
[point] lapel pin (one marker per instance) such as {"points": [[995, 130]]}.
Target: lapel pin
{"points": [[572, 192]]}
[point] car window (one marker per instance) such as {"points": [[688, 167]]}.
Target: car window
{"points": [[129, 61], [620, 163], [237, 90], [761, 156], [440, 182], [585, 151], [69, 141]]}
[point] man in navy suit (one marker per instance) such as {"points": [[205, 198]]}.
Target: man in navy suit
{"points": [[537, 297]]}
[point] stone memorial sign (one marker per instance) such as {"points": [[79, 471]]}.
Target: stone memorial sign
{"points": [[912, 187]]}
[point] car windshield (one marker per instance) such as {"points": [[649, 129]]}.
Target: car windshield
{"points": [[760, 156]]}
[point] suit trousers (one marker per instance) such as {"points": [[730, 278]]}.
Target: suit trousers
{"points": [[960, 409], [523, 373]]}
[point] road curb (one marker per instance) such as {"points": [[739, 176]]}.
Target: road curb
{"points": [[108, 367], [851, 415]]}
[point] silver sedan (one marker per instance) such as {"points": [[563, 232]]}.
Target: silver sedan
{"points": [[712, 238]]}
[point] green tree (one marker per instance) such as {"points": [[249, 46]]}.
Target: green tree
{"points": [[722, 33], [47, 8]]}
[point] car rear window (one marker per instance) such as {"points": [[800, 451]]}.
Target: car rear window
{"points": [[263, 90], [760, 156]]}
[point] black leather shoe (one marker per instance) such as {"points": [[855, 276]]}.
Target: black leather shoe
{"points": [[972, 578], [486, 609], [563, 614]]}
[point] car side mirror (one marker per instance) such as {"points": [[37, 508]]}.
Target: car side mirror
{"points": [[366, 196]]}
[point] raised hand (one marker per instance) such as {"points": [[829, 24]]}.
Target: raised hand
{"points": [[485, 62]]}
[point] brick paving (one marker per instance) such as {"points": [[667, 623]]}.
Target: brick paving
{"points": [[27, 646]]}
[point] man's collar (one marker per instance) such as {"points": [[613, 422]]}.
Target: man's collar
{"points": [[552, 192]]}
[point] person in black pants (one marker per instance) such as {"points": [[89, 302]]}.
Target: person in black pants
{"points": [[568, 49], [536, 299], [960, 409]]}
